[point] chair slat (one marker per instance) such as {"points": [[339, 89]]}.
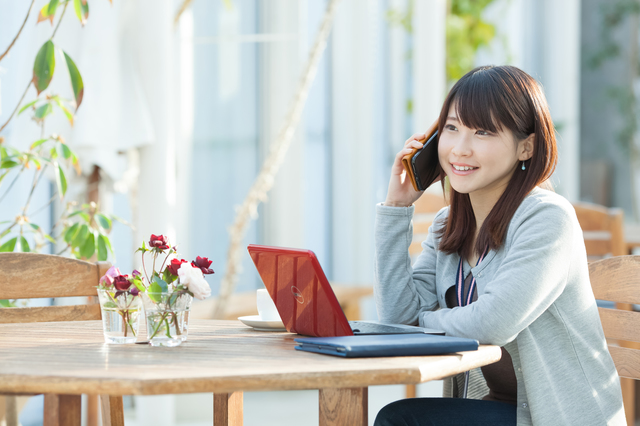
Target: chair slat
{"points": [[616, 279], [598, 248], [627, 361], [620, 325], [50, 313], [30, 275]]}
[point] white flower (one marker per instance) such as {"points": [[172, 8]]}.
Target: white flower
{"points": [[193, 279]]}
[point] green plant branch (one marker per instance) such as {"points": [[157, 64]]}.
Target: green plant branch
{"points": [[26, 18], [12, 183], [31, 81], [36, 178], [48, 203], [63, 250], [17, 106], [64, 9]]}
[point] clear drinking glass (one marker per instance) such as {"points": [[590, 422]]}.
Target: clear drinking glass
{"points": [[120, 316], [167, 316]]}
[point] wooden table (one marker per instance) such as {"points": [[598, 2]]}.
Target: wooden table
{"points": [[65, 360]]}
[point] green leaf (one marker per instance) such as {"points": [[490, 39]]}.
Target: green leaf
{"points": [[102, 248], [48, 11], [88, 247], [34, 226], [27, 106], [9, 246], [80, 236], [6, 304], [161, 283], [76, 78], [36, 162], [66, 152], [8, 164], [61, 181], [82, 10], [71, 233], [85, 217], [38, 143], [43, 110], [104, 221], [50, 238], [166, 275], [24, 245], [44, 66], [109, 305], [64, 109], [106, 240]]}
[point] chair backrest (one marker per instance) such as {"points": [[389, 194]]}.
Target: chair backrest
{"points": [[425, 210], [603, 230], [617, 279], [32, 275]]}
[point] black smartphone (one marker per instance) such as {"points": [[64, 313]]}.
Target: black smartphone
{"points": [[426, 164]]}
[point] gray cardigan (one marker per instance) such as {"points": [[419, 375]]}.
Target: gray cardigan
{"points": [[534, 298]]}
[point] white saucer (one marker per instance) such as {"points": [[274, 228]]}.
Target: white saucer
{"points": [[262, 325]]}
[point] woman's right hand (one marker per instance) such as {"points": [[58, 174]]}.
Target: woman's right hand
{"points": [[402, 194]]}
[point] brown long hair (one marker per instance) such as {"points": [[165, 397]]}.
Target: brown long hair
{"points": [[493, 98]]}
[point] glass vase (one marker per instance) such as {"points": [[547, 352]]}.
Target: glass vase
{"points": [[120, 315], [167, 316]]}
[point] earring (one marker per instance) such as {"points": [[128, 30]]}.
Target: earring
{"points": [[523, 167]]}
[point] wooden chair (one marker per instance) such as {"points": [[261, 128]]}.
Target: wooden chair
{"points": [[617, 279], [603, 230], [31, 276], [603, 233]]}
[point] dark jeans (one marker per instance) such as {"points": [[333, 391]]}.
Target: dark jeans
{"points": [[446, 412]]}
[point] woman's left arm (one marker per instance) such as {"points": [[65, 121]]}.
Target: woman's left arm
{"points": [[531, 277]]}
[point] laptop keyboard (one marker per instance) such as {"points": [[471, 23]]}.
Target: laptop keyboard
{"points": [[363, 327]]}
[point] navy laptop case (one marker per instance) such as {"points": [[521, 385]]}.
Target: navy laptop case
{"points": [[386, 345]]}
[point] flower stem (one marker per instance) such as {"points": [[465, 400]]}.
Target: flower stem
{"points": [[175, 322], [168, 328], [144, 268], [125, 322], [155, 331]]}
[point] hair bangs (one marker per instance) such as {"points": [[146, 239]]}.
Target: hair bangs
{"points": [[476, 106]]}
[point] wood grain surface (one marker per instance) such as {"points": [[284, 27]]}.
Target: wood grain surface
{"points": [[22, 275], [343, 406], [219, 357], [227, 409]]}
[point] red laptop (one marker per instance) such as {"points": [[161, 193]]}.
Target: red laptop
{"points": [[305, 301]]}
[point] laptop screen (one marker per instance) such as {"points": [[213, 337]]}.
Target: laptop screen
{"points": [[300, 290]]}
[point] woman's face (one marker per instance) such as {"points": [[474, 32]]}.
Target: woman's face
{"points": [[479, 162]]}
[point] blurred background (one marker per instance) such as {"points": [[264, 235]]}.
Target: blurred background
{"points": [[161, 114]]}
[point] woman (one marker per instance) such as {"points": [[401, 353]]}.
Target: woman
{"points": [[505, 264]]}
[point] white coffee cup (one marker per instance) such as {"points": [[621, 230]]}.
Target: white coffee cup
{"points": [[266, 308]]}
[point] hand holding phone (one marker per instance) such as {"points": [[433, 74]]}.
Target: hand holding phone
{"points": [[423, 165]]}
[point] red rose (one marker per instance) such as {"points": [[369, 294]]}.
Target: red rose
{"points": [[159, 241], [203, 263], [121, 282], [175, 265]]}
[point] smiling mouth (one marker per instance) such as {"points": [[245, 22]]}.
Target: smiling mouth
{"points": [[463, 168]]}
